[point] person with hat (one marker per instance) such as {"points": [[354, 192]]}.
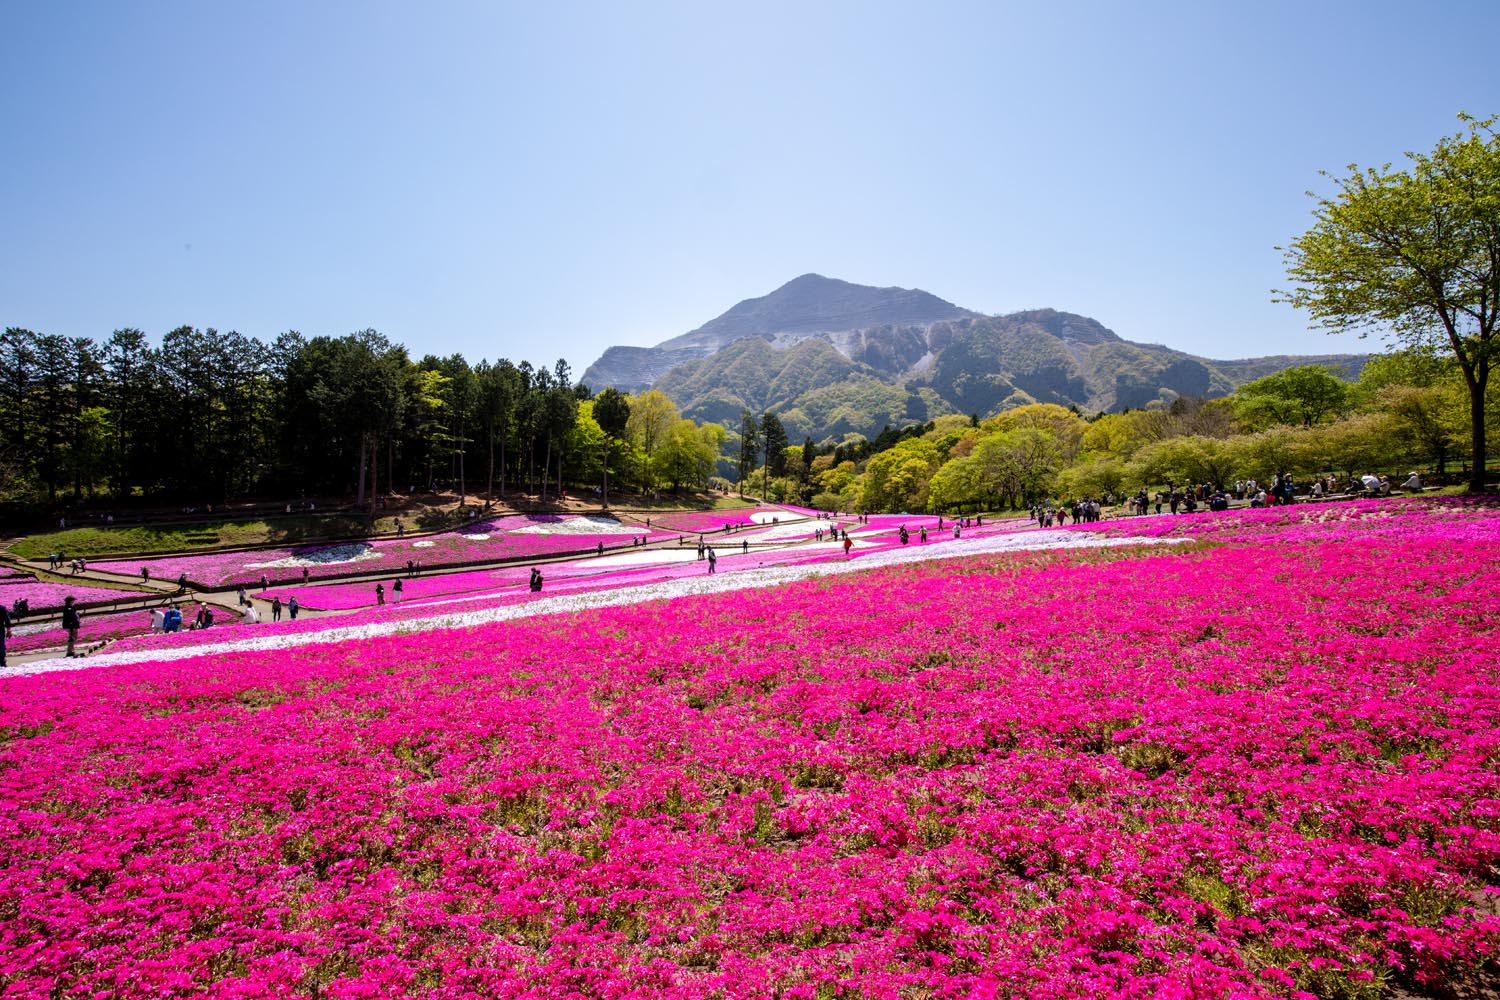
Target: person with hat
{"points": [[71, 623]]}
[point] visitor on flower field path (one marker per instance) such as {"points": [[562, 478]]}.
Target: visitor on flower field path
{"points": [[379, 594], [71, 623], [396, 590], [276, 609], [291, 609], [5, 632], [712, 559]]}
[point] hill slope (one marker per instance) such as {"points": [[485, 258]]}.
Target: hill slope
{"points": [[835, 358]]}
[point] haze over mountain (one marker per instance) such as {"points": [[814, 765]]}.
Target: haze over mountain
{"points": [[834, 358]]}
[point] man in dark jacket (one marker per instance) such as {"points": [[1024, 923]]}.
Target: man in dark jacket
{"points": [[5, 631], [71, 623]]}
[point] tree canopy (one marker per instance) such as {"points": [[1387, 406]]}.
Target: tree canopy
{"points": [[1414, 253]]}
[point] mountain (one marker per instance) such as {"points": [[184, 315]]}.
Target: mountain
{"points": [[835, 359], [811, 305]]}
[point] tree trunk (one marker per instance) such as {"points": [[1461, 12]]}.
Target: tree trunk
{"points": [[546, 468], [463, 483], [489, 485], [1477, 384], [364, 455], [606, 472]]}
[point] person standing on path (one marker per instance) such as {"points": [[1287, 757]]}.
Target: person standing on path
{"points": [[379, 594], [71, 623], [396, 590], [145, 574], [241, 596], [276, 609], [847, 545], [713, 559], [291, 609], [5, 632], [304, 579]]}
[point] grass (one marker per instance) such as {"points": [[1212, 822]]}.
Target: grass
{"points": [[93, 542]]}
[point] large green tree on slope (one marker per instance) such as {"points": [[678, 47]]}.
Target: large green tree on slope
{"points": [[1415, 252]]}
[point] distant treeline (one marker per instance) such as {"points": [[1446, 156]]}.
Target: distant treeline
{"points": [[207, 417]]}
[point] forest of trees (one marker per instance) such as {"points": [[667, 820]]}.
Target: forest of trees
{"points": [[1408, 410], [208, 417]]}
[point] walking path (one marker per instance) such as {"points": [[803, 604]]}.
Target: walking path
{"points": [[718, 583]]}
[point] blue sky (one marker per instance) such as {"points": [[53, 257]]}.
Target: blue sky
{"points": [[543, 180]]}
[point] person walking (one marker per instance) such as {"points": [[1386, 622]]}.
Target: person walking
{"points": [[276, 609], [241, 596], [713, 559], [847, 545], [5, 632], [71, 623], [145, 574]]}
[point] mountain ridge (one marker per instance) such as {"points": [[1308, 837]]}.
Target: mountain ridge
{"points": [[836, 359]]}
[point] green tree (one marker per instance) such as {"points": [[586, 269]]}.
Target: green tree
{"points": [[1305, 395], [749, 446], [897, 479], [612, 413], [1416, 253], [957, 485], [689, 451], [773, 442], [652, 414], [1018, 466], [1198, 459]]}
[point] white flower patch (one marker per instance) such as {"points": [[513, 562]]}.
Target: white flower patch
{"points": [[473, 536], [423, 545], [332, 555], [590, 525]]}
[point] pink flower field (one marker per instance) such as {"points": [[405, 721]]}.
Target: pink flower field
{"points": [[1262, 767], [517, 537], [47, 595], [107, 626]]}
